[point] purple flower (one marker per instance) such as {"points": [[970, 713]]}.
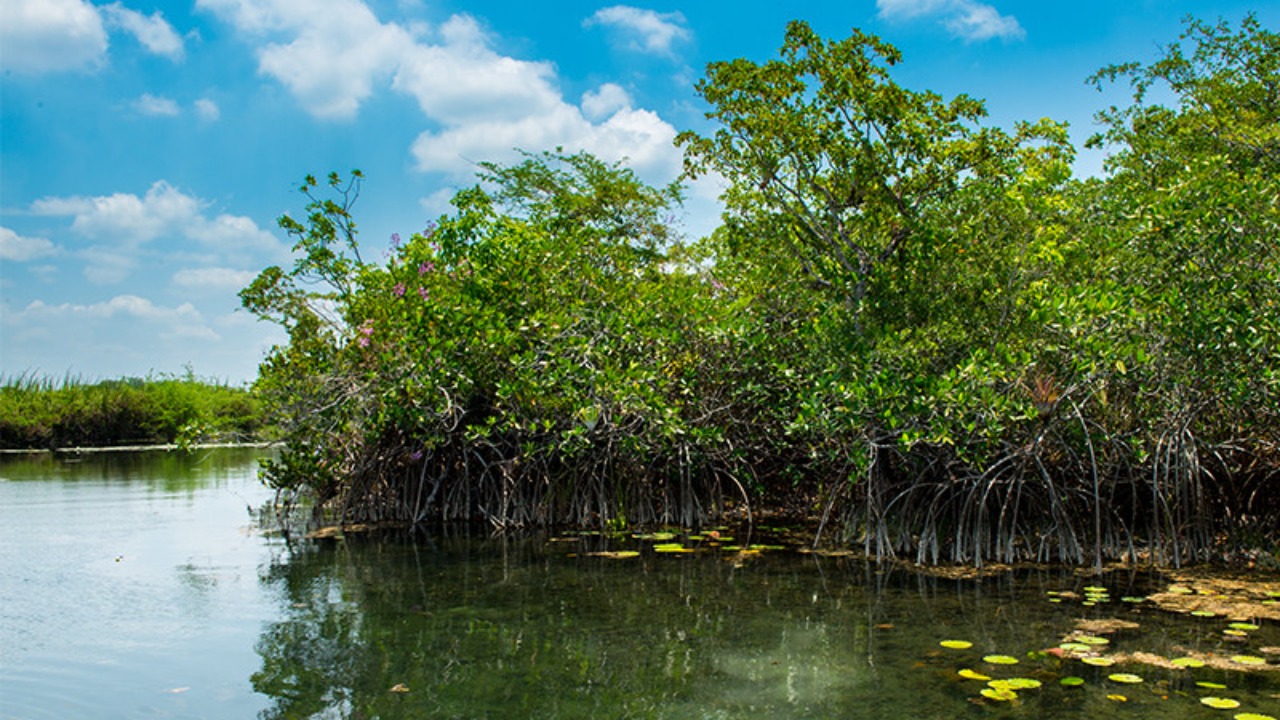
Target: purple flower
{"points": [[431, 229], [426, 267], [416, 455], [423, 293], [366, 333], [398, 290], [395, 239]]}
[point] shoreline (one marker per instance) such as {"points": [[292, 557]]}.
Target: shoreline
{"points": [[168, 447]]}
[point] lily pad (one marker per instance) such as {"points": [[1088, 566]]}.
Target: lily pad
{"points": [[1253, 716], [956, 644], [1071, 681], [1075, 647], [1132, 599], [1204, 613], [1000, 659], [1211, 685], [1022, 683], [968, 674], [1186, 662], [1098, 661], [1242, 626], [1095, 589], [671, 548], [999, 695], [1092, 640], [1220, 703], [1125, 678], [615, 554], [1117, 698], [1248, 660]]}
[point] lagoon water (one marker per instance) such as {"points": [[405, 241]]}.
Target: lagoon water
{"points": [[141, 586]]}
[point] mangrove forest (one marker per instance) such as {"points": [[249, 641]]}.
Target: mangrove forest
{"points": [[916, 329]]}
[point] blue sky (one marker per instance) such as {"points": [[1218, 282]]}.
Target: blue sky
{"points": [[146, 148]]}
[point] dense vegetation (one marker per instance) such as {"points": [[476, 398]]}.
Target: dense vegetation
{"points": [[917, 328], [43, 413]]}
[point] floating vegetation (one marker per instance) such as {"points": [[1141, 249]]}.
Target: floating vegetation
{"points": [[655, 536], [956, 644], [1018, 683], [1092, 640], [1204, 613], [1187, 662], [1000, 659], [1098, 661], [1132, 599], [1118, 698], [1125, 678], [1005, 695], [1211, 685], [671, 548], [1248, 660], [1242, 626], [1071, 681], [1253, 716], [1219, 703], [968, 674], [615, 554]]}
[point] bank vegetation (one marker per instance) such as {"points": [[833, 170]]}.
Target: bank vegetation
{"points": [[913, 326]]}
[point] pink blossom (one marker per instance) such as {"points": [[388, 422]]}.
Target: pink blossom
{"points": [[426, 267], [398, 290], [366, 333], [423, 293]]}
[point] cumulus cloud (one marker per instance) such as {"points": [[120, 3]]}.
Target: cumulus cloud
{"points": [[643, 30], [41, 36], [17, 248], [150, 104], [153, 32], [481, 104], [121, 224], [968, 19], [183, 321], [213, 279], [45, 36], [334, 56], [605, 101]]}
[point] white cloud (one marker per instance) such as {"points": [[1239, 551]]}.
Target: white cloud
{"points": [[481, 104], [181, 321], [207, 110], [335, 54], [17, 248], [213, 278], [604, 101], [150, 104], [154, 32], [40, 36], [122, 223], [646, 30], [967, 19]]}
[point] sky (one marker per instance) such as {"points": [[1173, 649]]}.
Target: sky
{"points": [[147, 148]]}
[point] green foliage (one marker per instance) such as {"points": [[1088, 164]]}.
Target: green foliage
{"points": [[42, 413], [912, 326]]}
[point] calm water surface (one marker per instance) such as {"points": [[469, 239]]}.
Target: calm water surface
{"points": [[138, 586]]}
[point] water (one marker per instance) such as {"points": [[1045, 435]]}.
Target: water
{"points": [[138, 587]]}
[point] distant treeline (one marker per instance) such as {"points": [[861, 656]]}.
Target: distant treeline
{"points": [[46, 413], [914, 326]]}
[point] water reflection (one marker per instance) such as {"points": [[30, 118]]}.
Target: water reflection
{"points": [[460, 627]]}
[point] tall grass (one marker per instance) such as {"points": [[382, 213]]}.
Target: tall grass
{"points": [[43, 412]]}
